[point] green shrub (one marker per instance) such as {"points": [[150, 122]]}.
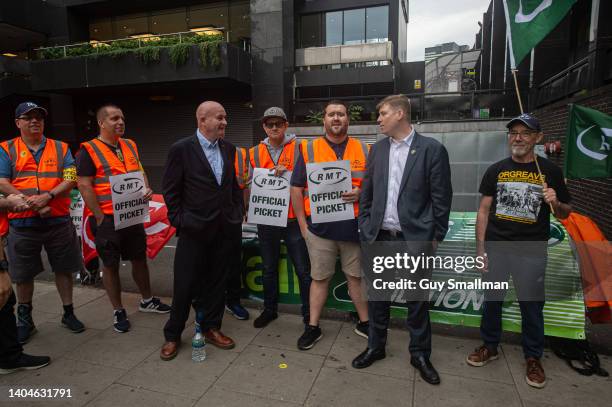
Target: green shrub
{"points": [[314, 117], [148, 54], [51, 53], [210, 54], [179, 53]]}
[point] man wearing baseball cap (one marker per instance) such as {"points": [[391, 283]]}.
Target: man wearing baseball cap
{"points": [[278, 152], [512, 230], [42, 171]]}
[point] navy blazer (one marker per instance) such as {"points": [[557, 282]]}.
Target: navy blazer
{"points": [[194, 198], [425, 194]]}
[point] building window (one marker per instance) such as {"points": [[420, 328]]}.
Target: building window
{"points": [[240, 22], [377, 24], [354, 27], [333, 28], [133, 24], [101, 30], [310, 30], [169, 21], [211, 16]]}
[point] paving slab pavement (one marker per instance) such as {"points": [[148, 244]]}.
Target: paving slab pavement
{"points": [[104, 368]]}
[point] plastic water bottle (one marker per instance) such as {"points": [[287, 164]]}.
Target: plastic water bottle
{"points": [[198, 346]]}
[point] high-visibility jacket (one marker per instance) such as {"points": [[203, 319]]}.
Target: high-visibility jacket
{"points": [[240, 165], [4, 224], [32, 178], [107, 163], [260, 158], [318, 150]]}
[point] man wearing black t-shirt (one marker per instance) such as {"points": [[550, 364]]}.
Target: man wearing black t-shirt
{"points": [[512, 230]]}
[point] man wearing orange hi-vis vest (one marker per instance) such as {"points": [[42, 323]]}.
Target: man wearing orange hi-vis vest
{"points": [[100, 158], [41, 171], [278, 152], [326, 240]]}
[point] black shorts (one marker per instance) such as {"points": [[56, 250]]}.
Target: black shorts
{"points": [[113, 245], [25, 245]]}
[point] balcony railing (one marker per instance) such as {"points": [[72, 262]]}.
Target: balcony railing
{"points": [[563, 84], [344, 54]]}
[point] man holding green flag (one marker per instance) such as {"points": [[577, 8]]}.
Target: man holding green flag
{"points": [[588, 152], [529, 22]]}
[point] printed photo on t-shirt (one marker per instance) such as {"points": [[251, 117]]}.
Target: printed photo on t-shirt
{"points": [[519, 196]]}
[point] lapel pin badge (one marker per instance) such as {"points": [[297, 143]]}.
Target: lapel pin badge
{"points": [[413, 152]]}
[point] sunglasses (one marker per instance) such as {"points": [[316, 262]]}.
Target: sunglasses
{"points": [[271, 125]]}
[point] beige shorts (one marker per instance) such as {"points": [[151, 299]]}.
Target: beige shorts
{"points": [[323, 254]]}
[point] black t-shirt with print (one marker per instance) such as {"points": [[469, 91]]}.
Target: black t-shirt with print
{"points": [[518, 211]]}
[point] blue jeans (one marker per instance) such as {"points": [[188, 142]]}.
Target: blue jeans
{"points": [[528, 278], [270, 245]]}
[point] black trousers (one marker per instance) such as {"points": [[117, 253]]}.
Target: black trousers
{"points": [[418, 321], [234, 271], [10, 349], [200, 274]]}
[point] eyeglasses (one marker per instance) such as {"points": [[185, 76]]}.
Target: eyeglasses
{"points": [[271, 125], [38, 117], [523, 134]]}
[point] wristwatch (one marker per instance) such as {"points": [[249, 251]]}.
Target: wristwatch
{"points": [[3, 266], [51, 194]]}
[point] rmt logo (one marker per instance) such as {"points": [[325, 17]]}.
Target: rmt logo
{"points": [[328, 175]]}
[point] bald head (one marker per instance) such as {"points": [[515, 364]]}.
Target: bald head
{"points": [[211, 119]]}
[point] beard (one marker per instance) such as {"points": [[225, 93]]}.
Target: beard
{"points": [[520, 151]]}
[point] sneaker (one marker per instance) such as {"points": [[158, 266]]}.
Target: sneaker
{"points": [[25, 324], [481, 356], [312, 334], [264, 319], [535, 376], [25, 362], [154, 305], [238, 311], [362, 329], [71, 322], [121, 322]]}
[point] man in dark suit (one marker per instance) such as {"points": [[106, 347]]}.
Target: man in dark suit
{"points": [[406, 198], [205, 205]]}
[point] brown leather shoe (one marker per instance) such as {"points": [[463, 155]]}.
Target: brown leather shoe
{"points": [[535, 376], [216, 337], [481, 356], [169, 350]]}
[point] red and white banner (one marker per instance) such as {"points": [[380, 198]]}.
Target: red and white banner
{"points": [[158, 230]]}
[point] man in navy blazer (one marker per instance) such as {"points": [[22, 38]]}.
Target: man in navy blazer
{"points": [[205, 205], [406, 197]]}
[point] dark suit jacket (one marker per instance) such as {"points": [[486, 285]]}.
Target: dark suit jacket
{"points": [[425, 195], [194, 199]]}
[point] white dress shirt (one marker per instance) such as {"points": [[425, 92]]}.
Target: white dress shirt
{"points": [[398, 155]]}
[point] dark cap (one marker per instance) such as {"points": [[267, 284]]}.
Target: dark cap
{"points": [[526, 119], [27, 107], [274, 112]]}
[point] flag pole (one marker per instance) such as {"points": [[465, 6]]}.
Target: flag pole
{"points": [[535, 156]]}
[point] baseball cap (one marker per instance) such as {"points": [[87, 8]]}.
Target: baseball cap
{"points": [[528, 120], [27, 107], [274, 112]]}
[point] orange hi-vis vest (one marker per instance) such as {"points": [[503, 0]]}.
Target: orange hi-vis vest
{"points": [[318, 151], [260, 158], [4, 224], [32, 178], [107, 164], [240, 165]]}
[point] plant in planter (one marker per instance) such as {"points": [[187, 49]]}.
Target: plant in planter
{"points": [[355, 112], [314, 117], [179, 53], [148, 54]]}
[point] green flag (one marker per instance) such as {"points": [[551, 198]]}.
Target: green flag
{"points": [[529, 21], [587, 145]]}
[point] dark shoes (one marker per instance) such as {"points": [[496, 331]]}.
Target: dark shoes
{"points": [[71, 322], [535, 376], [264, 319], [121, 323], [215, 337], [25, 324], [367, 357], [312, 334], [426, 369], [169, 350], [238, 311], [362, 329], [24, 362]]}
